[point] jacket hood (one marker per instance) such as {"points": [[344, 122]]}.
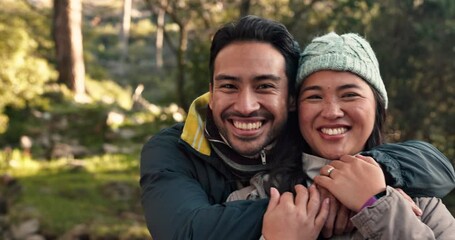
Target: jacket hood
{"points": [[193, 131]]}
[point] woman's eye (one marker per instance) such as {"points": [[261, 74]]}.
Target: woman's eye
{"points": [[313, 97], [350, 95]]}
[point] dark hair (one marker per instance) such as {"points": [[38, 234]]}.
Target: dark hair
{"points": [[286, 169], [377, 135], [253, 28]]}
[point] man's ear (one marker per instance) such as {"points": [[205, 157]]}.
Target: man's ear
{"points": [[292, 104]]}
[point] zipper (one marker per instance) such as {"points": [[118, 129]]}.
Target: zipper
{"points": [[263, 158]]}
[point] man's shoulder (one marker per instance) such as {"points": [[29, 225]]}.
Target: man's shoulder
{"points": [[168, 133], [166, 148], [165, 137], [166, 144], [169, 139]]}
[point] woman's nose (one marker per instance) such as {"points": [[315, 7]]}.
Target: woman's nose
{"points": [[332, 109]]}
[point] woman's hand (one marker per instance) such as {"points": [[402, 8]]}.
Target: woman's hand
{"points": [[352, 180], [297, 218]]}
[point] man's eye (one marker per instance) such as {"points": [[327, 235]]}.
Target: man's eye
{"points": [[265, 86], [227, 86]]}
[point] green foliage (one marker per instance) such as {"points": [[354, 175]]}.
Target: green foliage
{"points": [[198, 72], [416, 60], [63, 194], [413, 41], [99, 47], [79, 124], [110, 93], [23, 69]]}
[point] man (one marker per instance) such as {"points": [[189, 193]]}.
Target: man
{"points": [[188, 171]]}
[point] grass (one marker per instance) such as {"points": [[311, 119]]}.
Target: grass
{"points": [[100, 193]]}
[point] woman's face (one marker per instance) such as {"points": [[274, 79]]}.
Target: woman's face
{"points": [[336, 113]]}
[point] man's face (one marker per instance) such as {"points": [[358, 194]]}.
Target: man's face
{"points": [[249, 95]]}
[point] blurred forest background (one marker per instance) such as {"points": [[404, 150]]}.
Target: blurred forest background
{"points": [[83, 84]]}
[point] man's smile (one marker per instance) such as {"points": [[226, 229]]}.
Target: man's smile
{"points": [[247, 125]]}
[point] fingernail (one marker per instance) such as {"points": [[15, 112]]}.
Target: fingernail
{"points": [[419, 212]]}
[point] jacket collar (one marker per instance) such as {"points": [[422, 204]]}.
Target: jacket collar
{"points": [[312, 164], [202, 135], [193, 131]]}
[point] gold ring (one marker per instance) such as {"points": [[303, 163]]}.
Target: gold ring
{"points": [[329, 171]]}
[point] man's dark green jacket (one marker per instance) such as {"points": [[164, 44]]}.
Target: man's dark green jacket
{"points": [[185, 185]]}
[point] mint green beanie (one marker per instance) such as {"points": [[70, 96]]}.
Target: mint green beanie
{"points": [[347, 52]]}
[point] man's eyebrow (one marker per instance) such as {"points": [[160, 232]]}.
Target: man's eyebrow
{"points": [[267, 77], [256, 78], [225, 77]]}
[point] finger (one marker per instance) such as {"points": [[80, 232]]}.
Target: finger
{"points": [[350, 225], [341, 221], [274, 198], [287, 198], [323, 181], [340, 165], [417, 211], [314, 201], [347, 158], [406, 196], [368, 159], [325, 170], [323, 214], [327, 230], [301, 197]]}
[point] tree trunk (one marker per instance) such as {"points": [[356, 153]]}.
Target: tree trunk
{"points": [[183, 42], [67, 33], [244, 7], [159, 37], [125, 32]]}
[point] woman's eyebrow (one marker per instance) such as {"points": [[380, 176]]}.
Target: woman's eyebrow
{"points": [[339, 88], [347, 86], [313, 87]]}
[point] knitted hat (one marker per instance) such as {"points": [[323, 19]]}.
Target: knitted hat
{"points": [[348, 52]]}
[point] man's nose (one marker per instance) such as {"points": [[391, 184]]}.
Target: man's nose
{"points": [[332, 109], [247, 102]]}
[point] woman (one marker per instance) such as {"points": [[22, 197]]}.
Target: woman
{"points": [[342, 106]]}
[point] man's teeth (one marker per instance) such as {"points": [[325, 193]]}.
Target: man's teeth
{"points": [[334, 131], [248, 126]]}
